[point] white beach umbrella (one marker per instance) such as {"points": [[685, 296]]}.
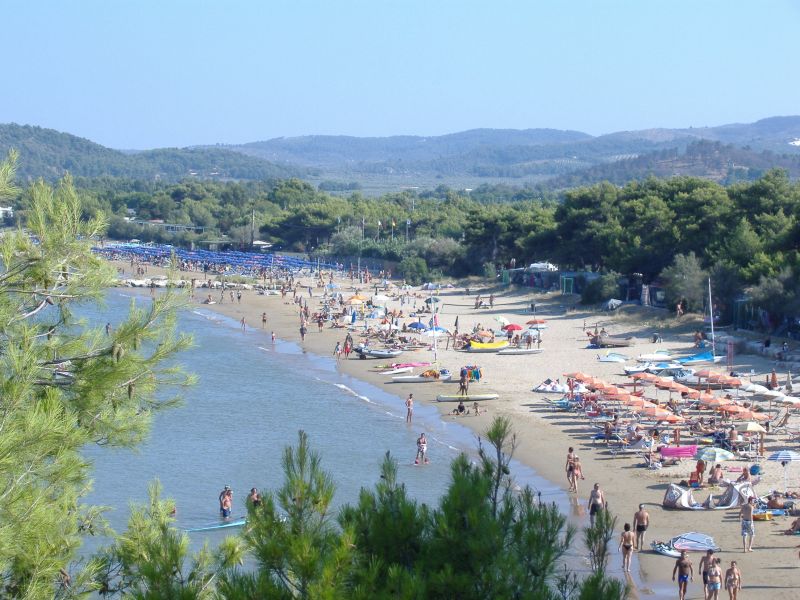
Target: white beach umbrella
{"points": [[754, 388], [785, 457], [380, 300]]}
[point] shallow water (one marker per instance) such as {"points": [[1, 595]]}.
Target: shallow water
{"points": [[252, 398]]}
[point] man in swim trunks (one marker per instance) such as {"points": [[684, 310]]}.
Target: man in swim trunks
{"points": [[597, 502], [226, 502], [683, 567], [641, 521], [714, 581], [409, 408], [746, 520], [704, 567]]}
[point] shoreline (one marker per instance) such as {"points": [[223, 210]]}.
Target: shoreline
{"points": [[543, 435]]}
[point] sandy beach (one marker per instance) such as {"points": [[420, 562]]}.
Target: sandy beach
{"points": [[544, 434]]}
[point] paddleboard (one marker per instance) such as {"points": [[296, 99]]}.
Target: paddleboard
{"points": [[219, 525], [469, 398]]}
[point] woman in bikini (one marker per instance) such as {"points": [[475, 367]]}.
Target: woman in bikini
{"points": [[626, 546], [714, 581], [733, 581]]}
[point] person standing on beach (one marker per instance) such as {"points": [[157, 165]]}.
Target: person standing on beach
{"points": [[570, 469], [263, 320], [714, 581], [337, 352], [409, 408], [746, 520], [626, 546], [463, 381], [422, 450], [273, 337], [733, 581], [641, 521], [243, 323], [683, 567], [303, 331], [704, 567], [222, 495], [597, 502]]}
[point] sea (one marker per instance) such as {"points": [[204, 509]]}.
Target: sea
{"points": [[251, 399]]}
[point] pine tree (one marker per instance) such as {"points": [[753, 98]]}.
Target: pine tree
{"points": [[63, 385]]}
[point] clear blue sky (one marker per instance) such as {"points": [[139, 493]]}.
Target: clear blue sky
{"points": [[142, 74]]}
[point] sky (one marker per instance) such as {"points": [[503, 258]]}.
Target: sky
{"points": [[135, 74]]}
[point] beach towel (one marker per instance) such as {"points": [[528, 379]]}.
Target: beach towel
{"points": [[678, 451]]}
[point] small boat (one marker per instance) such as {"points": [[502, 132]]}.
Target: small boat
{"points": [[610, 341], [425, 377], [468, 398], [219, 525], [612, 357], [376, 353], [696, 359], [516, 351], [397, 371], [660, 356], [486, 346]]}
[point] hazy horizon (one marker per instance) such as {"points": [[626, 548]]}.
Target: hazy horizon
{"points": [[138, 75]]}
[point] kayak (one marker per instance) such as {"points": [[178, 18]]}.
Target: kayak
{"points": [[444, 375], [661, 356], [515, 351], [486, 346], [468, 398], [219, 525], [612, 357], [377, 353], [397, 371]]}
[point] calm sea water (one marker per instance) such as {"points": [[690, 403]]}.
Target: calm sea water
{"points": [[252, 398]]}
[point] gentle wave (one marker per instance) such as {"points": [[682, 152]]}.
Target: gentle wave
{"points": [[351, 391]]}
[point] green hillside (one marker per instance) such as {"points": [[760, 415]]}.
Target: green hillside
{"points": [[49, 154]]}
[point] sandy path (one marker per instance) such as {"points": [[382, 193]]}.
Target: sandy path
{"points": [[544, 434]]}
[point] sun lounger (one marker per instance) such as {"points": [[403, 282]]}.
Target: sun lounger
{"points": [[678, 451]]}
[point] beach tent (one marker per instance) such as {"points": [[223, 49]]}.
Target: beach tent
{"points": [[680, 498], [735, 495]]}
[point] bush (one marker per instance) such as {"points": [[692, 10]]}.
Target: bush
{"points": [[603, 288], [414, 269]]}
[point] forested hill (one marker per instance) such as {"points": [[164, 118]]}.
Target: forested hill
{"points": [[49, 154], [545, 156], [724, 163]]}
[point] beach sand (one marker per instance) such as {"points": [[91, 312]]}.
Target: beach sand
{"points": [[772, 569]]}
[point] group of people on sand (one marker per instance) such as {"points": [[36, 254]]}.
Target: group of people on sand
{"points": [[461, 410], [713, 579]]}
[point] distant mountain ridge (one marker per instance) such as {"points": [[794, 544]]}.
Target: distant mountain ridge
{"points": [[548, 157], [49, 154]]}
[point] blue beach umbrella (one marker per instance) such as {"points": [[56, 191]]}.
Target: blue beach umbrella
{"points": [[784, 457], [418, 326]]}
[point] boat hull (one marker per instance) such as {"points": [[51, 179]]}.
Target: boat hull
{"points": [[519, 351], [468, 398]]}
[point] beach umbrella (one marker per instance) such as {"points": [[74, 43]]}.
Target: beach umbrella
{"points": [[731, 408], [784, 457], [354, 301], [436, 332], [774, 379], [644, 376], [790, 401], [713, 401], [484, 334], [535, 322], [672, 418], [749, 415], [704, 373], [714, 455], [754, 388], [380, 300], [432, 300], [750, 427], [512, 327], [357, 297], [654, 411], [418, 326], [577, 375]]}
